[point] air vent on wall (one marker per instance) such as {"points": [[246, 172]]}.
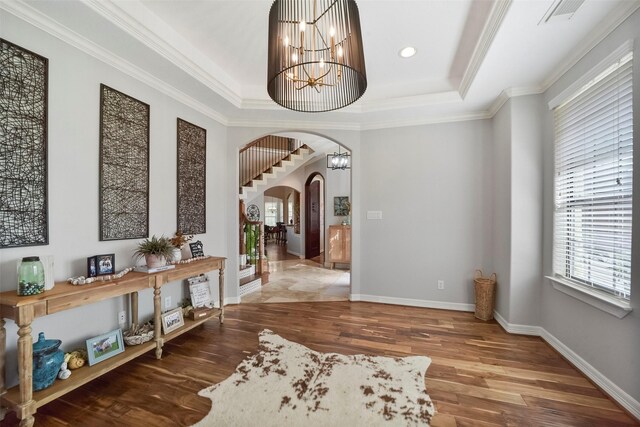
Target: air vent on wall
{"points": [[561, 9]]}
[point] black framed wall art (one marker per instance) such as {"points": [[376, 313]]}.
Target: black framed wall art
{"points": [[192, 168], [23, 147], [124, 166]]}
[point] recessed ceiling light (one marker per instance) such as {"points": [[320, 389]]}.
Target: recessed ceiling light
{"points": [[408, 52]]}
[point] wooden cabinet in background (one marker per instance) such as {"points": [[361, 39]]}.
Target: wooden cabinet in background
{"points": [[339, 244]]}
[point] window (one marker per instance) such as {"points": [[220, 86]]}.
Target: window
{"points": [[593, 181], [272, 211]]}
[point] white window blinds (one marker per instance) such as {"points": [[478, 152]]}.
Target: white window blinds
{"points": [[593, 182]]}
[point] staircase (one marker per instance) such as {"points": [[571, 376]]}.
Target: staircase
{"points": [[249, 280], [260, 165]]}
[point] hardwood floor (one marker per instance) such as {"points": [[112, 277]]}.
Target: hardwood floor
{"points": [[480, 375]]}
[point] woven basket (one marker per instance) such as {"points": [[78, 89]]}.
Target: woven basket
{"points": [[485, 295], [138, 334]]}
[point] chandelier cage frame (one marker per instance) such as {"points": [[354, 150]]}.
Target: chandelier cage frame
{"points": [[339, 160], [315, 55]]}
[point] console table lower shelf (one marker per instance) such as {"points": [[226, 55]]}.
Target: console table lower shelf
{"points": [[24, 309], [88, 373]]}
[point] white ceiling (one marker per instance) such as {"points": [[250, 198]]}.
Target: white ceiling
{"points": [[469, 53]]}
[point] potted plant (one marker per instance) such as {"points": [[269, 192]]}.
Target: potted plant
{"points": [[178, 241], [155, 251]]}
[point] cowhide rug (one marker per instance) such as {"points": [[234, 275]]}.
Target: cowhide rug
{"points": [[287, 384]]}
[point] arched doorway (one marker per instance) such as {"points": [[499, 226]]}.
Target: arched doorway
{"points": [[314, 215]]}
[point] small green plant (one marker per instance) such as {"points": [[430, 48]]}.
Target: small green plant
{"points": [[160, 246]]}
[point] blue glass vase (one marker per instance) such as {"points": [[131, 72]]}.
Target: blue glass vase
{"points": [[47, 359]]}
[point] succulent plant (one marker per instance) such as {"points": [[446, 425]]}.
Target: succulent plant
{"points": [[160, 246]]}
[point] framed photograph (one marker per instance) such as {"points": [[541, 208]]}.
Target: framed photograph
{"points": [[104, 346], [197, 249], [172, 320], [92, 268], [106, 264], [200, 294], [341, 206]]}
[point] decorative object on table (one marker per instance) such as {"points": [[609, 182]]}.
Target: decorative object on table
{"points": [[485, 289], [138, 334], [64, 371], [47, 359], [124, 166], [315, 55], [48, 264], [192, 168], [24, 205], [76, 358], [81, 280], [30, 276], [105, 264], [178, 241], [339, 161], [155, 251], [92, 267], [253, 213], [151, 270], [197, 249], [104, 346], [306, 387], [172, 320], [341, 206], [199, 291]]}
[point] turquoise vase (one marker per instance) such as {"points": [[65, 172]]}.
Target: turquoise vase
{"points": [[47, 359]]}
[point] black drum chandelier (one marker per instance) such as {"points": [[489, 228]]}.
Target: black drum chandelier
{"points": [[316, 60]]}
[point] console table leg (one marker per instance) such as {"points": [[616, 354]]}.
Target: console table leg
{"points": [[221, 292], [134, 308], [157, 310], [27, 406], [3, 349]]}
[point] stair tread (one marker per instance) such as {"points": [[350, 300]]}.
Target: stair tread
{"points": [[249, 279]]}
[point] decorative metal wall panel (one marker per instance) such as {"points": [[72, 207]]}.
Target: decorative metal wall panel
{"points": [[23, 147], [192, 167], [124, 166]]}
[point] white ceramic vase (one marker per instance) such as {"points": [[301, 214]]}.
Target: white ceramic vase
{"points": [[154, 261], [176, 255]]}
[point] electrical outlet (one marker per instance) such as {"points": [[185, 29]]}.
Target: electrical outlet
{"points": [[440, 284], [122, 317], [167, 302]]}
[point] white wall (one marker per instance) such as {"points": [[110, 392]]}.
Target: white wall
{"points": [[434, 186], [610, 345], [74, 83]]}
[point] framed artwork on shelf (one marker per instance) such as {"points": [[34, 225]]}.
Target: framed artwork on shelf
{"points": [[104, 346], [172, 320]]}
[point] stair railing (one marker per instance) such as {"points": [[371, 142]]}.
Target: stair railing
{"points": [[252, 244], [262, 154]]}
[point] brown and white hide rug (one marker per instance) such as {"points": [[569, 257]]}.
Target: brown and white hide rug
{"points": [[288, 384]]}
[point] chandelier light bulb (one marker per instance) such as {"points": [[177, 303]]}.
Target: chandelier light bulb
{"points": [[286, 41], [340, 52], [332, 31], [294, 57], [321, 64], [303, 26]]}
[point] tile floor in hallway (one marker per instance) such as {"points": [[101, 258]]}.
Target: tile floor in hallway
{"points": [[294, 280]]}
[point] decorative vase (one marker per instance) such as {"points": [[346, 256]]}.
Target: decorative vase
{"points": [[176, 255], [30, 276], [47, 359], [154, 261]]}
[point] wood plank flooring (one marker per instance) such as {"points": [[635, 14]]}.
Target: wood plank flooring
{"points": [[480, 375]]}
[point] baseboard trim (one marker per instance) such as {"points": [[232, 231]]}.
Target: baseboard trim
{"points": [[413, 302], [294, 254], [231, 300], [616, 393]]}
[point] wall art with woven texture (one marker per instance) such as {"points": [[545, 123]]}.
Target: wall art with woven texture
{"points": [[192, 167], [124, 166], [23, 147]]}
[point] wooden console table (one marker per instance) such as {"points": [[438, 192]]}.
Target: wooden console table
{"points": [[64, 296]]}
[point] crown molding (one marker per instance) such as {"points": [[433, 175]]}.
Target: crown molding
{"points": [[48, 25], [295, 124], [144, 29], [512, 93], [451, 118], [497, 15], [615, 18]]}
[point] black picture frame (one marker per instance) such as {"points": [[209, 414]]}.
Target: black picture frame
{"points": [[197, 249], [92, 268], [105, 264]]}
